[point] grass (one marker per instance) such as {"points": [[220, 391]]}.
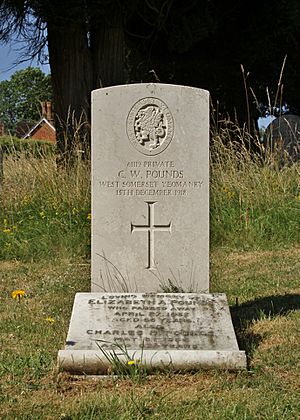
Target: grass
{"points": [[45, 212], [255, 201], [255, 260], [266, 319]]}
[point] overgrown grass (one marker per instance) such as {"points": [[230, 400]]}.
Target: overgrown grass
{"points": [[255, 200], [45, 211]]}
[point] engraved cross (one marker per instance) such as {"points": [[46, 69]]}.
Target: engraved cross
{"points": [[150, 228]]}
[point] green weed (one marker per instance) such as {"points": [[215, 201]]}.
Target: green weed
{"points": [[122, 364]]}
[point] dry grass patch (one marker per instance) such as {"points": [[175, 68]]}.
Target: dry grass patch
{"points": [[8, 266], [254, 256], [253, 274]]}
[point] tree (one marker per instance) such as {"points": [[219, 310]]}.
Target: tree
{"points": [[21, 97], [86, 51]]}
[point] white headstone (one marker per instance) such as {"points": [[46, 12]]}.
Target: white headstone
{"points": [[150, 189], [150, 231]]}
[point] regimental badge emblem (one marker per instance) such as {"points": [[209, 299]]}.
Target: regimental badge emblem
{"points": [[150, 126]]}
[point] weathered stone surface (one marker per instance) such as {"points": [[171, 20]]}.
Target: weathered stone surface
{"points": [[183, 329], [282, 136], [151, 321], [150, 176], [93, 362]]}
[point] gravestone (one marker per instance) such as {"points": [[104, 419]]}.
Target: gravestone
{"points": [[282, 137], [150, 206], [150, 299]]}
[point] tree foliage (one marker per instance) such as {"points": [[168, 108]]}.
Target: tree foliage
{"points": [[204, 43], [21, 97]]}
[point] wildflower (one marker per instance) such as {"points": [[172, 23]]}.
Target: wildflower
{"points": [[42, 214], [50, 320], [230, 194], [131, 362], [6, 230], [25, 199], [18, 294], [89, 216]]}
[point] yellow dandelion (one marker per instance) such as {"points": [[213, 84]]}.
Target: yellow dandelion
{"points": [[225, 190], [89, 216], [42, 214], [131, 362], [25, 199], [18, 294], [50, 320], [6, 230]]}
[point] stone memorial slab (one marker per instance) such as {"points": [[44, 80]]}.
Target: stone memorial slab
{"points": [[150, 176], [182, 331]]}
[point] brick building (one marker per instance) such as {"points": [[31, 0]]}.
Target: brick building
{"points": [[44, 129]]}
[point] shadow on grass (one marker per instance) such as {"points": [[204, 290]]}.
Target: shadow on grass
{"points": [[267, 307]]}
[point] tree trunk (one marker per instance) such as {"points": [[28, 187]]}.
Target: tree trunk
{"points": [[108, 49], [83, 58], [71, 71]]}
